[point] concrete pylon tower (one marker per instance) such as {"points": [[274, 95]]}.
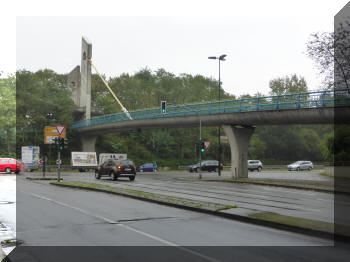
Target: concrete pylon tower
{"points": [[79, 82], [85, 77]]}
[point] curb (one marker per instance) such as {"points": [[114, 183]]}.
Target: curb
{"points": [[296, 229]]}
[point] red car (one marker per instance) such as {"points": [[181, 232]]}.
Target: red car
{"points": [[9, 165]]}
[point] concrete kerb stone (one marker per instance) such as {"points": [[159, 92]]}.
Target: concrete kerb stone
{"points": [[229, 215]]}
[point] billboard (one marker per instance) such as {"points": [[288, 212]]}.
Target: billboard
{"points": [[105, 156], [84, 159]]}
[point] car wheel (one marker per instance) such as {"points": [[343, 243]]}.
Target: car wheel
{"points": [[190, 170], [8, 170], [298, 168], [113, 176], [97, 175], [17, 172], [196, 170], [132, 178], [259, 169], [309, 168]]}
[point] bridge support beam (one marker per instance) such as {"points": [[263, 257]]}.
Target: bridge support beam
{"points": [[239, 138], [88, 143]]}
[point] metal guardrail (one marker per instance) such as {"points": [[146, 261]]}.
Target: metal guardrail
{"points": [[315, 99], [264, 167]]}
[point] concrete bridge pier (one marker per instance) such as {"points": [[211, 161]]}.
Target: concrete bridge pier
{"points": [[88, 143], [238, 138]]}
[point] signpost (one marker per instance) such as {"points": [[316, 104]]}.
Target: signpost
{"points": [[56, 135]]}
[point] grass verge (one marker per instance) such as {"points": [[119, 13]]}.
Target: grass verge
{"points": [[175, 201]]}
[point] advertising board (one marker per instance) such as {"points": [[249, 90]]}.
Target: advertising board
{"points": [[105, 156], [84, 159]]}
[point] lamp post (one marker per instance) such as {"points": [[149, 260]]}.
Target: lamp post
{"points": [[220, 58]]}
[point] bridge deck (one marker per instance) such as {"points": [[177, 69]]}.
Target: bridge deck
{"points": [[308, 100]]}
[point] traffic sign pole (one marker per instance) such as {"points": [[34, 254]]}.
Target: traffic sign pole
{"points": [[59, 166]]}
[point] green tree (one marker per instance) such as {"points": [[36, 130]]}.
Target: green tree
{"points": [[287, 85], [8, 115]]}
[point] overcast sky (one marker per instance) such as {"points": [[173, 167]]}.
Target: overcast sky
{"points": [[262, 39]]}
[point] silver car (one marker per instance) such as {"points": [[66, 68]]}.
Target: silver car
{"points": [[255, 165], [301, 165]]}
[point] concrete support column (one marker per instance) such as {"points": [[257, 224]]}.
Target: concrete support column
{"points": [[88, 143], [239, 138]]}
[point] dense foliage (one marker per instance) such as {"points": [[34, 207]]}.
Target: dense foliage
{"points": [[7, 116], [44, 92]]}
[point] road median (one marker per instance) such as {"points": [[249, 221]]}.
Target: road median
{"points": [[294, 224], [303, 184]]}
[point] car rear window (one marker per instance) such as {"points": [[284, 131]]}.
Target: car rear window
{"points": [[127, 162]]}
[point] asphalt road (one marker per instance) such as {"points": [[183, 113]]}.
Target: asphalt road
{"points": [[249, 198], [53, 216]]}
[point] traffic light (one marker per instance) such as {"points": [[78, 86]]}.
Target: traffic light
{"points": [[163, 107], [61, 143], [202, 146]]}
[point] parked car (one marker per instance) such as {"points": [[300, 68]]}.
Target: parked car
{"points": [[207, 165], [301, 165], [148, 167], [9, 165], [255, 165], [116, 168]]}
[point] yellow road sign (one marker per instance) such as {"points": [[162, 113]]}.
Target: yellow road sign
{"points": [[51, 133]]}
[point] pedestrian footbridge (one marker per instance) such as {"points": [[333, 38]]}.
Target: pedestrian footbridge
{"points": [[237, 117]]}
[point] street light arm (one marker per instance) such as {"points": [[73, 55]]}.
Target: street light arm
{"points": [[212, 57]]}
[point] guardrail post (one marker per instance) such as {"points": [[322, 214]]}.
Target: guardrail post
{"points": [[277, 105], [240, 105], [224, 106], [323, 95], [299, 100], [257, 105]]}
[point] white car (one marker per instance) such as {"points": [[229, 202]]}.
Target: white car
{"points": [[255, 165], [301, 165]]}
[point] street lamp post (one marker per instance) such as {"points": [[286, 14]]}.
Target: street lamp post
{"points": [[220, 58]]}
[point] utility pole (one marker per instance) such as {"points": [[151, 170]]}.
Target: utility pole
{"points": [[200, 150]]}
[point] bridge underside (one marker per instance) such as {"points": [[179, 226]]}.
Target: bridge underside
{"points": [[238, 127]]}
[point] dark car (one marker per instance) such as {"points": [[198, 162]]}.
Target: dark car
{"points": [[207, 165], [116, 168], [148, 167]]}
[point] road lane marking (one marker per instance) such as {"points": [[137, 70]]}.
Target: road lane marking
{"points": [[163, 241]]}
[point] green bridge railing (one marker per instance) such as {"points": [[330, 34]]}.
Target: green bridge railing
{"points": [[315, 99]]}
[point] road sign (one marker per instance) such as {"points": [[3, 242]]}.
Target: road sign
{"points": [[58, 161], [60, 129], [207, 144], [51, 133]]}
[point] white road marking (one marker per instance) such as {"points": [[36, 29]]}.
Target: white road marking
{"points": [[163, 241]]}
